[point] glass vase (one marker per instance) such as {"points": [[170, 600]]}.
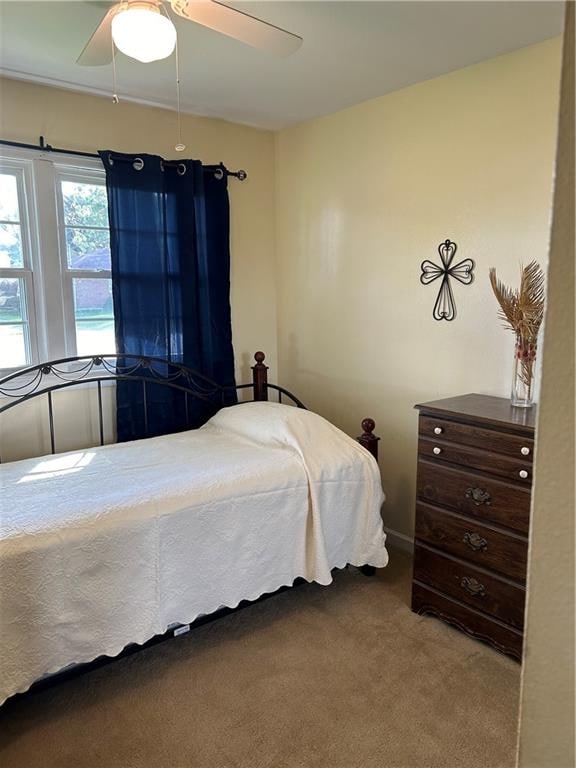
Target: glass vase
{"points": [[523, 373]]}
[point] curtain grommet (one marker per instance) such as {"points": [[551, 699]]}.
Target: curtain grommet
{"points": [[218, 174], [138, 164], [110, 160], [181, 169]]}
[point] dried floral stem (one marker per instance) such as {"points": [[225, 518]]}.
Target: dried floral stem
{"points": [[522, 311]]}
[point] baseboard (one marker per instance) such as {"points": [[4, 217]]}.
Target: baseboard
{"points": [[399, 540]]}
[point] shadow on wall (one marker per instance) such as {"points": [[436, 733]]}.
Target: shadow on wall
{"points": [[345, 400], [25, 429], [244, 371]]}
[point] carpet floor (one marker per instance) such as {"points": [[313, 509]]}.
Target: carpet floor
{"points": [[343, 676]]}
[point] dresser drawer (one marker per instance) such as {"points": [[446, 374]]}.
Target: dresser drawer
{"points": [[468, 540], [472, 586], [505, 639], [511, 469], [474, 494], [515, 446]]}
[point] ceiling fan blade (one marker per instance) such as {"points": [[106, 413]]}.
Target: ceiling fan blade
{"points": [[239, 25], [98, 50]]}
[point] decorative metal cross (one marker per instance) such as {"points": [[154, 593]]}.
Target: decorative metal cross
{"points": [[445, 308]]}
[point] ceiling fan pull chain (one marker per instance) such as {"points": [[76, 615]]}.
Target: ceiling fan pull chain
{"points": [[180, 147], [115, 98]]}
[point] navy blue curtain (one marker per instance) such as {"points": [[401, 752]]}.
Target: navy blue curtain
{"points": [[169, 241]]}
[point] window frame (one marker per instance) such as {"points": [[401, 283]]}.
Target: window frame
{"points": [[23, 172], [49, 283], [66, 172]]}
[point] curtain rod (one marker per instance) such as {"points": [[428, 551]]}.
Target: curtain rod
{"points": [[42, 146]]}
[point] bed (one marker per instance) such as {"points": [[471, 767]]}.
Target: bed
{"points": [[108, 547]]}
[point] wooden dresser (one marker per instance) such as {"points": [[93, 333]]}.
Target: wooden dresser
{"points": [[472, 516]]}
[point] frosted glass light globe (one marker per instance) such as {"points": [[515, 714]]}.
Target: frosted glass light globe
{"points": [[143, 34]]}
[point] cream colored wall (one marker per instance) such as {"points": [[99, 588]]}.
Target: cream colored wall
{"points": [[362, 197], [25, 431], [87, 123], [547, 722]]}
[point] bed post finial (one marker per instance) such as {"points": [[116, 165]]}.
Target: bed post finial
{"points": [[368, 439], [260, 377]]}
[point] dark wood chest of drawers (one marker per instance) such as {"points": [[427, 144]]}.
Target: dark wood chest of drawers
{"points": [[472, 516]]}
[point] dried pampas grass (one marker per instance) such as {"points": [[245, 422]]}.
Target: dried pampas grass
{"points": [[522, 311]]}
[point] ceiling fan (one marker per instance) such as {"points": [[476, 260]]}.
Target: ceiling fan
{"points": [[143, 30]]}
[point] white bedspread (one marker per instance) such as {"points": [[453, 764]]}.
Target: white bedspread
{"points": [[109, 546]]}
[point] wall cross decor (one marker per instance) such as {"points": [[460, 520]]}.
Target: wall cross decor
{"points": [[445, 308]]}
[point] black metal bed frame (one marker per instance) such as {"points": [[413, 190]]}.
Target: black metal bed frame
{"points": [[47, 378]]}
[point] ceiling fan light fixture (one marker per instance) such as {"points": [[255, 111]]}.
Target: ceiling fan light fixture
{"points": [[143, 33]]}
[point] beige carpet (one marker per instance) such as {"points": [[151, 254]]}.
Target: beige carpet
{"points": [[343, 676]]}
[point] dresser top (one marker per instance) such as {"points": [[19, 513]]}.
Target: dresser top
{"points": [[485, 409]]}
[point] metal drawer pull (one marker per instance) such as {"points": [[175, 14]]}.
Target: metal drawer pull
{"points": [[475, 541], [438, 430], [525, 451], [473, 586], [479, 496], [523, 474], [437, 450]]}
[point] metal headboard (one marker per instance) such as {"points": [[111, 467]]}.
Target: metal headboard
{"points": [[47, 378]]}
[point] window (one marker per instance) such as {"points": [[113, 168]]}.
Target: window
{"points": [[17, 341], [85, 240], [55, 278]]}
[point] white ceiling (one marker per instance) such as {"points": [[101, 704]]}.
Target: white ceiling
{"points": [[352, 51]]}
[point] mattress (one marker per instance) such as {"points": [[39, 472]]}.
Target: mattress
{"points": [[109, 546]]}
